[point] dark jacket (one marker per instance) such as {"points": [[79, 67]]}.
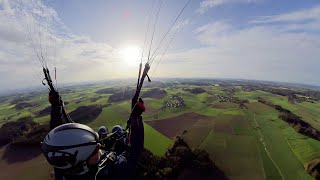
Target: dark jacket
{"points": [[124, 165]]}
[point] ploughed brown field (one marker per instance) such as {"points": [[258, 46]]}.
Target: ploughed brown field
{"points": [[173, 126], [224, 105]]}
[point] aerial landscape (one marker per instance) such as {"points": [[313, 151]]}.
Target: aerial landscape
{"points": [[223, 89], [251, 129]]}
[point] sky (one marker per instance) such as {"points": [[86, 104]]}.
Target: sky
{"points": [[275, 40]]}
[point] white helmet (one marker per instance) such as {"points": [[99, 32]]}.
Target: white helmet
{"points": [[68, 146]]}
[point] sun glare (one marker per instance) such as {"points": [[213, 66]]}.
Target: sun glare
{"points": [[131, 55]]}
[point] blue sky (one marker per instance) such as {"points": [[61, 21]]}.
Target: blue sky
{"points": [[275, 40]]}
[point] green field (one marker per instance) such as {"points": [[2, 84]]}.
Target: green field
{"points": [[155, 141], [245, 143]]}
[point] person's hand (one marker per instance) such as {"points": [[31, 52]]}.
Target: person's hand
{"points": [[138, 108], [55, 99]]}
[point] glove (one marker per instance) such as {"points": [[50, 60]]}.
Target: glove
{"points": [[55, 99], [138, 108]]}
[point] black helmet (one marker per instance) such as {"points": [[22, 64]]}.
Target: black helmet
{"points": [[103, 132], [68, 146]]}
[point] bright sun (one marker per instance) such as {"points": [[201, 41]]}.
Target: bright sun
{"points": [[131, 55]]}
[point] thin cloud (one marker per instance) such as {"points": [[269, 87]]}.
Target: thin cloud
{"points": [[212, 32], [312, 14], [265, 52], [181, 25], [207, 4]]}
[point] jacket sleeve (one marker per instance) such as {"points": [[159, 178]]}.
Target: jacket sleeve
{"points": [[137, 143], [136, 134], [56, 116], [136, 139]]}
